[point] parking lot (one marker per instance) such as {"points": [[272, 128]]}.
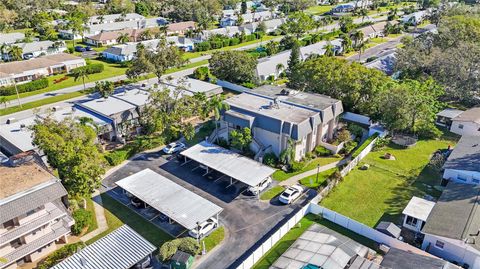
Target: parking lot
{"points": [[245, 218]]}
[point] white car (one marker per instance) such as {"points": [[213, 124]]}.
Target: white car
{"points": [[174, 147], [290, 194], [205, 228], [261, 186]]}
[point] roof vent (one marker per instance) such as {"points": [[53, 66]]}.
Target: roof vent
{"points": [[470, 240], [74, 109]]}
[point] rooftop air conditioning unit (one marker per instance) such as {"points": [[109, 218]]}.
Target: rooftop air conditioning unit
{"points": [[11, 120]]}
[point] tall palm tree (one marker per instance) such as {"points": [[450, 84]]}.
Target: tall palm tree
{"points": [[215, 105], [329, 50], [15, 53], [4, 48], [364, 13], [123, 38], [361, 48], [80, 73], [358, 36]]}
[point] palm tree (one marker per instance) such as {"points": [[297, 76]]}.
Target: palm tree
{"points": [[279, 69], [215, 105], [80, 73], [361, 48], [146, 35], [15, 53], [4, 48], [329, 50], [104, 88], [364, 13], [163, 30], [346, 43], [4, 101], [358, 36], [123, 38]]}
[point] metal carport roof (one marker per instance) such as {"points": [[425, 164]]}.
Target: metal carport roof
{"points": [[121, 249], [229, 163], [179, 204]]}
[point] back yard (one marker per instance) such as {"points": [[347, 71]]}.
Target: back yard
{"points": [[382, 191]]}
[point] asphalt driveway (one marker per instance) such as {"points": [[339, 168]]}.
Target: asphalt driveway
{"points": [[245, 218]]}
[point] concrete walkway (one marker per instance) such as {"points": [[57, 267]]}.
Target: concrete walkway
{"points": [[295, 179], [100, 214]]}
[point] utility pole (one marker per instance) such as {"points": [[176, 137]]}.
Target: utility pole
{"points": [[16, 90]]}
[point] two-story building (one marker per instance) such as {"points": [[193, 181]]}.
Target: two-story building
{"points": [[275, 115], [33, 213]]}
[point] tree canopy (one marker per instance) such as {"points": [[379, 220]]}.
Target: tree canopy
{"points": [[233, 66]]}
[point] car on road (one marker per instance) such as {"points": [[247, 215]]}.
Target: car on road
{"points": [[204, 228], [255, 190], [88, 48], [174, 147], [80, 49], [290, 194]]}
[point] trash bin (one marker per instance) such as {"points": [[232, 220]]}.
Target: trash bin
{"points": [[181, 260]]}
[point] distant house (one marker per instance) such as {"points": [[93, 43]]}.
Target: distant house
{"points": [[385, 63], [228, 31], [275, 115], [25, 71], [126, 52], [463, 164], [270, 25], [416, 213], [180, 28], [110, 38], [37, 49], [247, 18], [343, 8], [401, 259], [110, 18], [444, 118], [374, 30], [415, 18], [192, 86], [467, 122], [269, 66], [11, 38], [452, 228]]}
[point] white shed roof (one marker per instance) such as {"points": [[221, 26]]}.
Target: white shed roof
{"points": [[107, 107], [419, 208], [121, 249], [173, 200], [229, 163]]}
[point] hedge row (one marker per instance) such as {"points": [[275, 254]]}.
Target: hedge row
{"points": [[218, 42], [60, 254], [91, 68], [27, 87], [364, 145]]}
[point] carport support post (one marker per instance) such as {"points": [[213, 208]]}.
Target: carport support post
{"points": [[231, 180]]}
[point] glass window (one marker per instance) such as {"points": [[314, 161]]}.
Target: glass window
{"points": [[460, 126], [411, 221], [439, 244]]}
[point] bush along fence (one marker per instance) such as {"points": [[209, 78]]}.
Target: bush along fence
{"points": [[26, 87]]}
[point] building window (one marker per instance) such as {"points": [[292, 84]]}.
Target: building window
{"points": [[462, 177], [439, 244], [9, 224], [411, 221], [460, 126]]}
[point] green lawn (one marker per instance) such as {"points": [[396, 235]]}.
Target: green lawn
{"points": [[271, 193], [281, 175], [91, 208], [382, 191], [117, 214], [313, 182], [318, 10], [288, 239], [215, 238]]}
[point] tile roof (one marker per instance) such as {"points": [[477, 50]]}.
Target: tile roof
{"points": [[181, 26]]}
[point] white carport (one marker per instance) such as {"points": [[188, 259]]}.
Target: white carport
{"points": [[179, 204], [229, 163]]}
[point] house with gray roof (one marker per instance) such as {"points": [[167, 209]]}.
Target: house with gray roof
{"points": [[123, 248], [274, 65], [463, 164], [277, 114], [33, 215], [467, 122], [452, 228], [11, 38], [401, 259], [270, 25], [38, 48]]}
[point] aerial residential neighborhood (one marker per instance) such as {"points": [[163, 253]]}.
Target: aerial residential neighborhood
{"points": [[264, 134]]}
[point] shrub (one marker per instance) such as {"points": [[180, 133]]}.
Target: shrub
{"points": [[95, 68], [216, 44], [270, 159], [83, 219], [117, 157], [59, 255], [355, 129], [322, 151], [349, 146], [249, 85], [203, 46], [364, 145], [344, 135], [429, 131], [201, 73], [27, 87], [309, 155], [185, 244], [297, 166], [222, 142], [381, 143]]}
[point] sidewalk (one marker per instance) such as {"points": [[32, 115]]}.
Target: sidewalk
{"points": [[100, 214], [295, 179]]}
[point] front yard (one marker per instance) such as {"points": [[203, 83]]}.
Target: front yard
{"points": [[382, 191]]}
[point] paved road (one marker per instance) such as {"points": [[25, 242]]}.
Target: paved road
{"points": [[377, 51], [245, 218]]}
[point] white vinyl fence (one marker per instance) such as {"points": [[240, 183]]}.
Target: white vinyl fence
{"points": [[357, 159], [232, 86]]}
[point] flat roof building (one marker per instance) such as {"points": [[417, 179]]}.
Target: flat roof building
{"points": [[33, 216]]}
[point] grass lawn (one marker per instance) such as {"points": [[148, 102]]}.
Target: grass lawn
{"points": [[117, 214], [318, 10], [382, 191], [322, 177], [215, 238], [91, 208], [281, 175], [271, 193], [288, 239]]}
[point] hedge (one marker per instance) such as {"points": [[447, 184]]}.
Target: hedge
{"points": [[185, 244], [364, 145], [83, 218], [26, 87], [59, 255], [91, 68]]}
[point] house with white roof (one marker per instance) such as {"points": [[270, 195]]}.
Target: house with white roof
{"points": [[11, 38], [416, 213], [229, 31], [109, 18], [270, 25], [38, 48], [247, 18]]}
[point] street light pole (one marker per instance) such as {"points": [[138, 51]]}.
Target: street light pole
{"points": [[318, 171]]}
